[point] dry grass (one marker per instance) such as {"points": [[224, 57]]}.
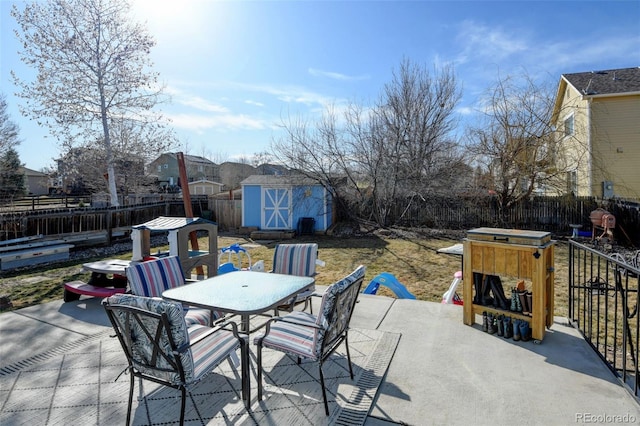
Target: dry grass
{"points": [[413, 261]]}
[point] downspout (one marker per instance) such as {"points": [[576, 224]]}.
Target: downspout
{"points": [[590, 147]]}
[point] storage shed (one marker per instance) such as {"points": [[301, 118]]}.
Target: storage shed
{"points": [[286, 203], [205, 187]]}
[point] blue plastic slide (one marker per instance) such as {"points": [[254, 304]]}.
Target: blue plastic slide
{"points": [[388, 280]]}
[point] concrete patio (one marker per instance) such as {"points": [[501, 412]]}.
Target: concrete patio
{"points": [[442, 371]]}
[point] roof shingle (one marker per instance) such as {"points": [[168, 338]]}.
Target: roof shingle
{"points": [[616, 81]]}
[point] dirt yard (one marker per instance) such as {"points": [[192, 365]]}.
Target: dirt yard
{"points": [[409, 255]]}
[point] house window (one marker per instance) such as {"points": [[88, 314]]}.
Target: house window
{"points": [[568, 126], [159, 167], [166, 166]]}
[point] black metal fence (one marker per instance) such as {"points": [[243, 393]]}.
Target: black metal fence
{"points": [[603, 305]]}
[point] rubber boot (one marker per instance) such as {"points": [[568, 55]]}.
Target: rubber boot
{"points": [[522, 295], [530, 302], [508, 328], [493, 327], [500, 300], [487, 300], [477, 286], [525, 331], [516, 330], [485, 322], [500, 324], [514, 296], [516, 299]]}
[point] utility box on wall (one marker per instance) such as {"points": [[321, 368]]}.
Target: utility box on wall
{"points": [[607, 189]]}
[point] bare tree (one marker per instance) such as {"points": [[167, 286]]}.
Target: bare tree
{"points": [[399, 149], [513, 143], [93, 86]]}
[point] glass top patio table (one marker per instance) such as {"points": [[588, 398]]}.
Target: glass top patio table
{"points": [[240, 292], [244, 293]]}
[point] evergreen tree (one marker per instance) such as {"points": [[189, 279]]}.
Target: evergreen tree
{"points": [[12, 178]]}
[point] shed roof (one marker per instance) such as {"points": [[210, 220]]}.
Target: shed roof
{"points": [[607, 82], [279, 180], [201, 181]]}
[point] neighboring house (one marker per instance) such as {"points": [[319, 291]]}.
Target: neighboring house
{"points": [[37, 183], [279, 203], [597, 114], [231, 174], [205, 187], [166, 168]]}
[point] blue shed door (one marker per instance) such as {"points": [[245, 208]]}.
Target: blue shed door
{"points": [[276, 210]]}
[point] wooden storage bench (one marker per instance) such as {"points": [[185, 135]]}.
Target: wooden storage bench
{"points": [[520, 254]]}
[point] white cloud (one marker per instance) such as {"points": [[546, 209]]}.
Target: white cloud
{"points": [[224, 122], [496, 50], [256, 103], [335, 75], [202, 104], [483, 42], [182, 98]]}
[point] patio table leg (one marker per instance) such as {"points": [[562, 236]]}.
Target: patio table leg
{"points": [[244, 354]]}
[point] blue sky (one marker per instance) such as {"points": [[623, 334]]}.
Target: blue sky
{"points": [[234, 68]]}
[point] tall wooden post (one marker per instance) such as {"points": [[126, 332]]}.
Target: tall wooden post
{"points": [[188, 208]]}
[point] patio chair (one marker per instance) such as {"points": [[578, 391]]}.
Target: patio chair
{"points": [[161, 348], [299, 260], [150, 279], [305, 335]]}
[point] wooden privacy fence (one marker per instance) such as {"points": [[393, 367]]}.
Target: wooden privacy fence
{"points": [[227, 213], [553, 214], [540, 213]]}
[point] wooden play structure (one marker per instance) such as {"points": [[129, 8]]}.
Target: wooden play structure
{"points": [[180, 231]]}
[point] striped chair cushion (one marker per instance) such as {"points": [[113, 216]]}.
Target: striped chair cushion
{"points": [[151, 278], [291, 338], [198, 316], [212, 350], [306, 341], [295, 259]]}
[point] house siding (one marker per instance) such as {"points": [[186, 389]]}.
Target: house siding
{"points": [[615, 133], [573, 150], [605, 145]]}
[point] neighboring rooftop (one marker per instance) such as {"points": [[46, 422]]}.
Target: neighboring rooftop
{"points": [[606, 82]]}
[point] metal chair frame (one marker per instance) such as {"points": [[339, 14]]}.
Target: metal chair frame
{"points": [[335, 332], [155, 334]]}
